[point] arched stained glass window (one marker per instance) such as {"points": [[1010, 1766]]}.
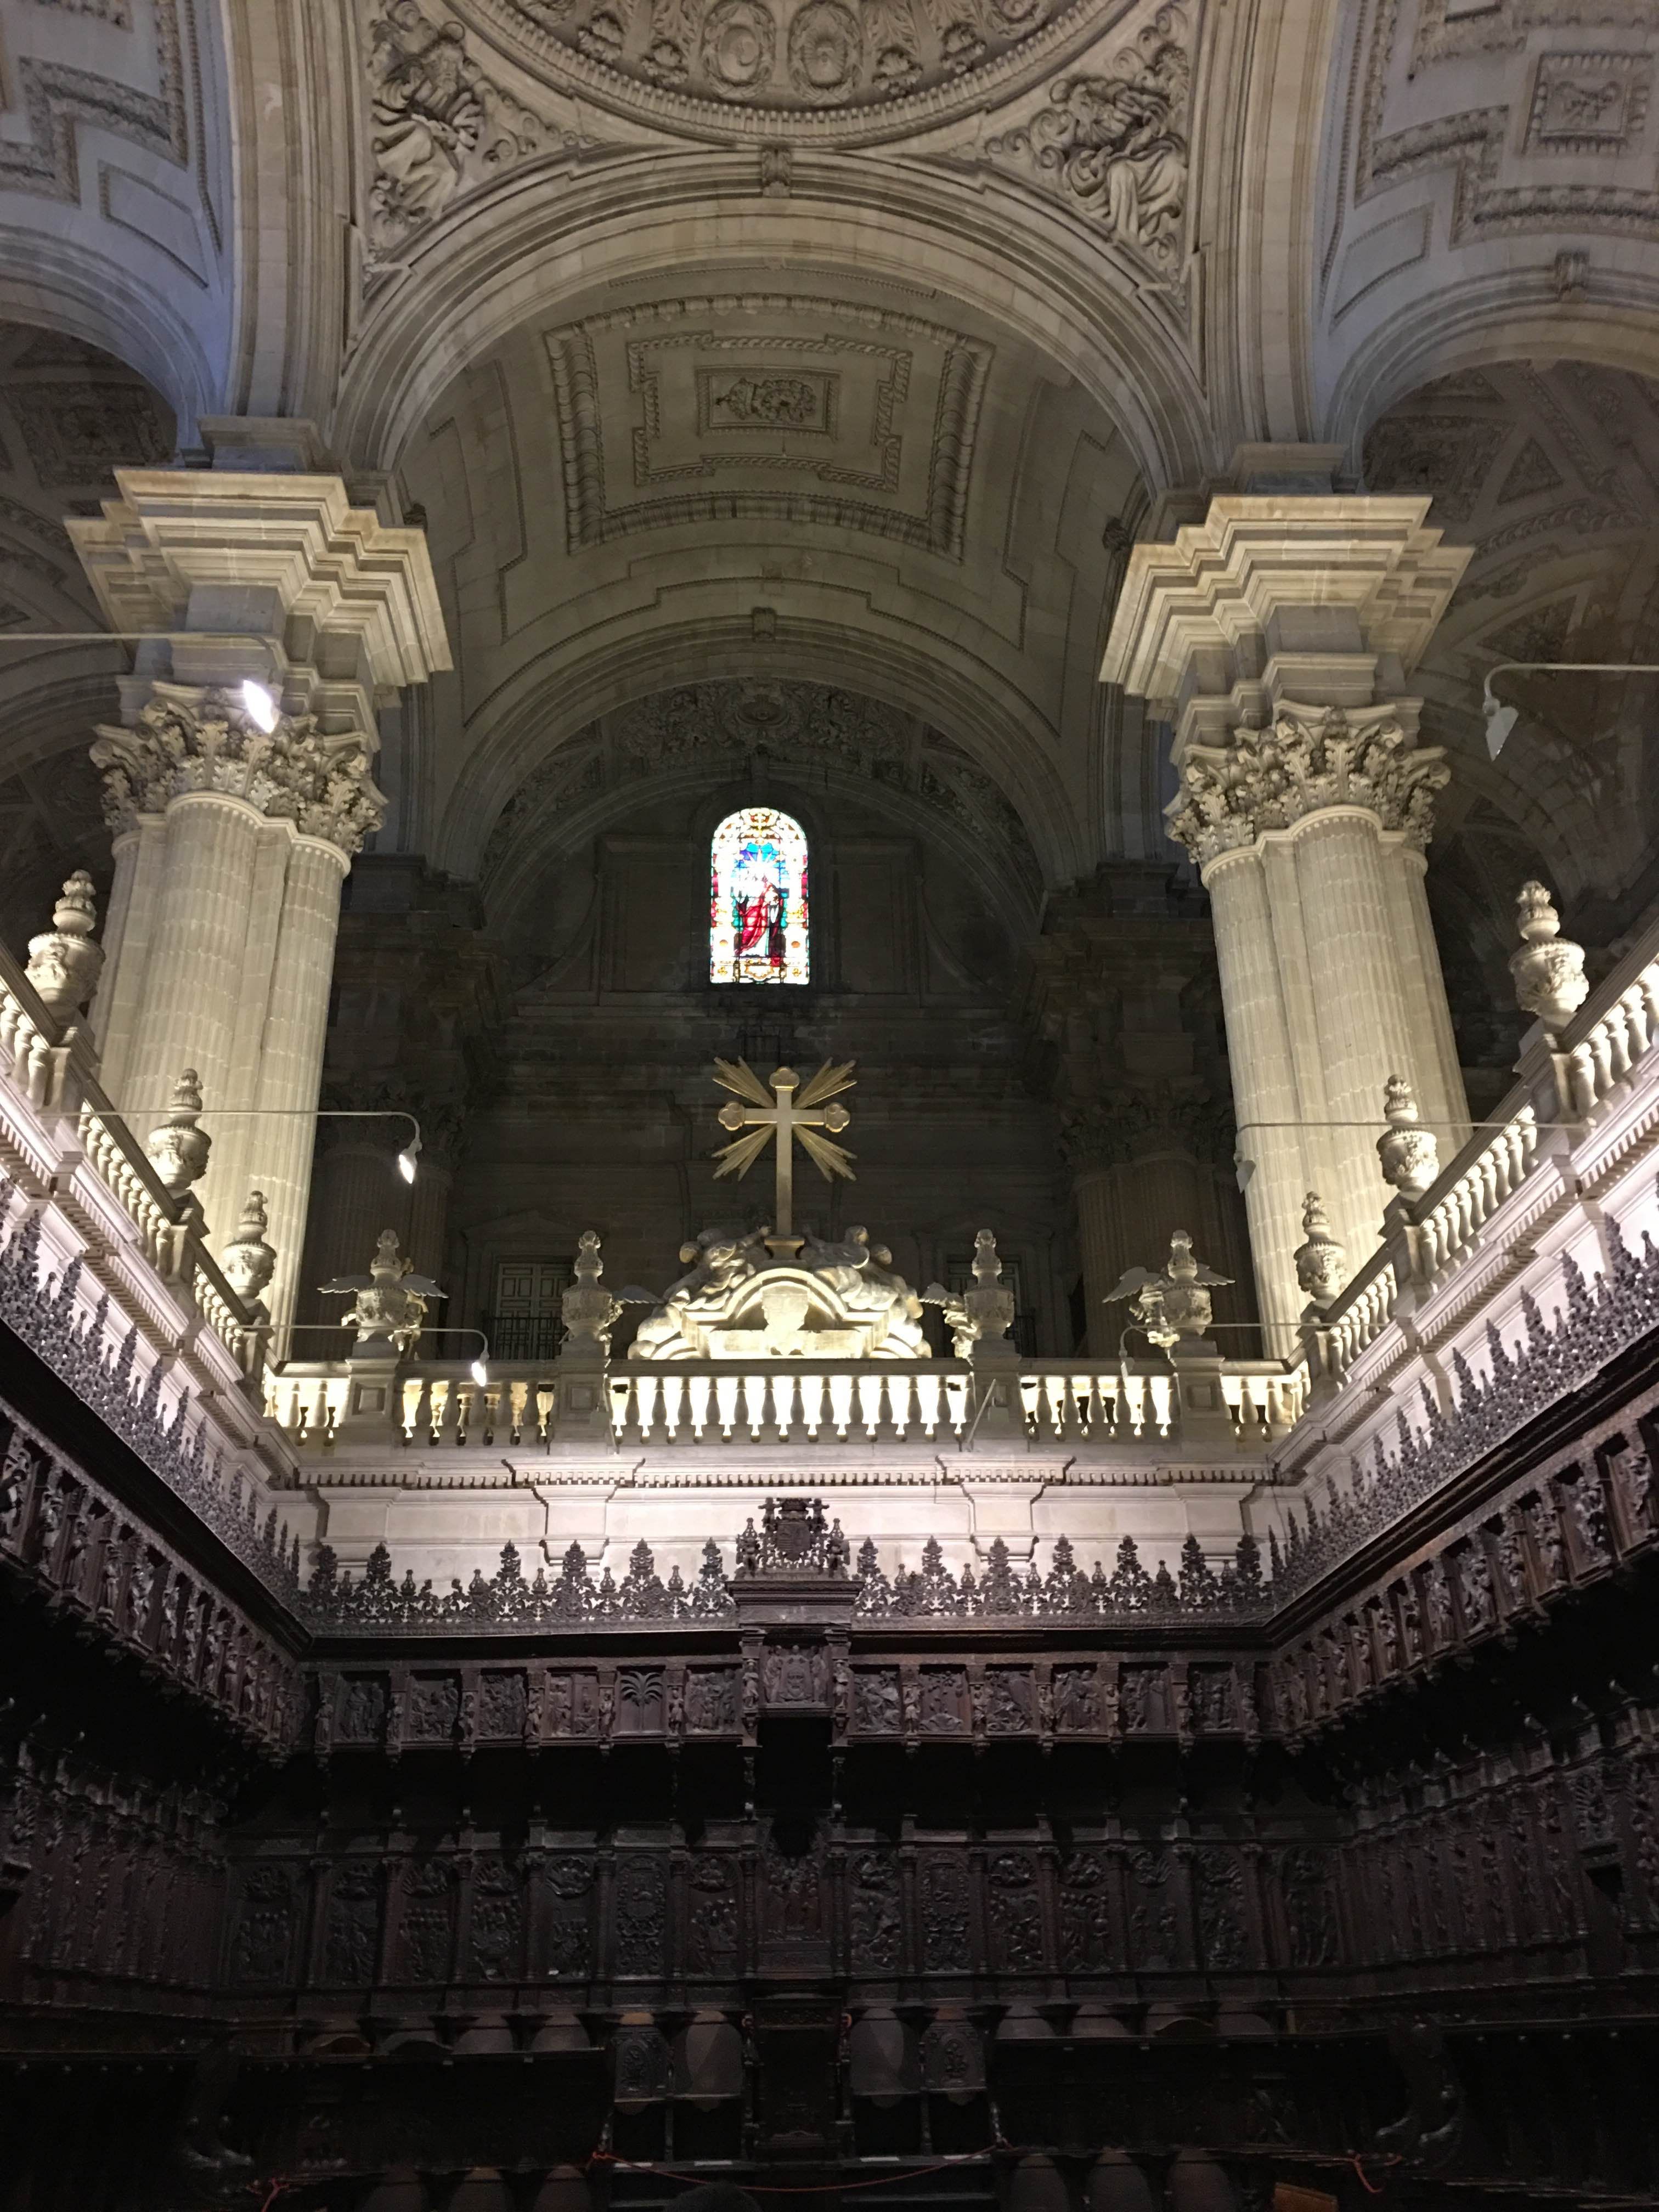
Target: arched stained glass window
{"points": [[757, 911]]}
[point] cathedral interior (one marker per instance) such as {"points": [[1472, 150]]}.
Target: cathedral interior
{"points": [[829, 1105]]}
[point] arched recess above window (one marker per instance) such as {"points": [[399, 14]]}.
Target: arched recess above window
{"points": [[759, 918]]}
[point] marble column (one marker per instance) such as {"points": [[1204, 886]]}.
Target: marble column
{"points": [[1277, 636], [233, 838]]}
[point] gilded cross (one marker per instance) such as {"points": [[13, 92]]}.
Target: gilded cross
{"points": [[779, 1112]]}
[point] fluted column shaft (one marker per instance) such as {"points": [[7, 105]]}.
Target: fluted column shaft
{"points": [[1330, 987], [280, 1069], [192, 985]]}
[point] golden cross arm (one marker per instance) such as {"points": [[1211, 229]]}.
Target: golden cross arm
{"points": [[790, 1112]]}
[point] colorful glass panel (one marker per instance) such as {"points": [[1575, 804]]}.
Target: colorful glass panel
{"points": [[757, 907]]}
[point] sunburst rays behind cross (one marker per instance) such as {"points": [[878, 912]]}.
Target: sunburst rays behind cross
{"points": [[779, 1112]]}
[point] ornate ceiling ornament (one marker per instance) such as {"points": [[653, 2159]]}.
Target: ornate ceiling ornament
{"points": [[188, 739], [438, 126], [1116, 145], [843, 70], [1271, 779]]}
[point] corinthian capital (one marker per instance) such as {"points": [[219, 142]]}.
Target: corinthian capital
{"points": [[190, 739], [1310, 760]]}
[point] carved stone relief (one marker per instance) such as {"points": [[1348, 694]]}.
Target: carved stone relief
{"points": [[1590, 102], [769, 66], [1114, 146], [767, 405]]}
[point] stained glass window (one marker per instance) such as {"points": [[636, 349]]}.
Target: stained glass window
{"points": [[757, 913]]}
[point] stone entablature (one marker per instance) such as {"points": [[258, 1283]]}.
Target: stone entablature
{"points": [[1269, 595]]}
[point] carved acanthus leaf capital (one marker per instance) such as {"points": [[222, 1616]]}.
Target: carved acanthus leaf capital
{"points": [[1306, 763], [188, 739]]}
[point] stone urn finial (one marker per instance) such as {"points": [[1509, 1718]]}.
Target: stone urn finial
{"points": [[66, 960], [989, 1305], [247, 1261], [1175, 1304], [388, 1305], [1319, 1258], [1410, 1154], [1550, 982], [176, 1148], [588, 1309]]}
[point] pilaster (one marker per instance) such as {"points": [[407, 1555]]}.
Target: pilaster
{"points": [[1277, 636]]}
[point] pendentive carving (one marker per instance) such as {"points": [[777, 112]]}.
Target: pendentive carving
{"points": [[440, 126], [1115, 146]]}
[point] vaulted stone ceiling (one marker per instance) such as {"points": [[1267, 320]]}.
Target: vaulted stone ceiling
{"points": [[69, 415], [868, 486], [1549, 470]]}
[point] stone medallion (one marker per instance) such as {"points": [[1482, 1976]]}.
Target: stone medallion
{"points": [[838, 70]]}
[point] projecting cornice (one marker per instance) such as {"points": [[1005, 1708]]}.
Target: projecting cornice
{"points": [[180, 546], [1263, 577]]}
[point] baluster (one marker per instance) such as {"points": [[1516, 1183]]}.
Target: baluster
{"points": [[645, 1405], [928, 1390], [464, 1394], [1053, 1399], [783, 1401], [621, 1387], [698, 1388], [753, 1390], [1618, 1055], [956, 1397], [1162, 1390], [1639, 1027], [409, 1398], [520, 1399], [811, 1403], [1134, 1390], [673, 1396], [840, 1404], [440, 1408], [869, 1390], [899, 1399], [726, 1400]]}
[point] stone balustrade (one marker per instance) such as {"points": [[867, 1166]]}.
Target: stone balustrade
{"points": [[803, 1403]]}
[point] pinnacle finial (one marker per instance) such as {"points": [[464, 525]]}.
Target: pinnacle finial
{"points": [[1410, 1155], [176, 1148], [1550, 982], [64, 960], [1319, 1258], [248, 1262]]}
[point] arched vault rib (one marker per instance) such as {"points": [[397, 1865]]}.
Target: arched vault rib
{"points": [[517, 254], [1476, 326], [63, 286], [543, 707]]}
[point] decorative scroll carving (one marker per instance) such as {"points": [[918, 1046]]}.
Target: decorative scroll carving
{"points": [[1270, 779], [441, 127], [188, 739], [1115, 146], [767, 65]]}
